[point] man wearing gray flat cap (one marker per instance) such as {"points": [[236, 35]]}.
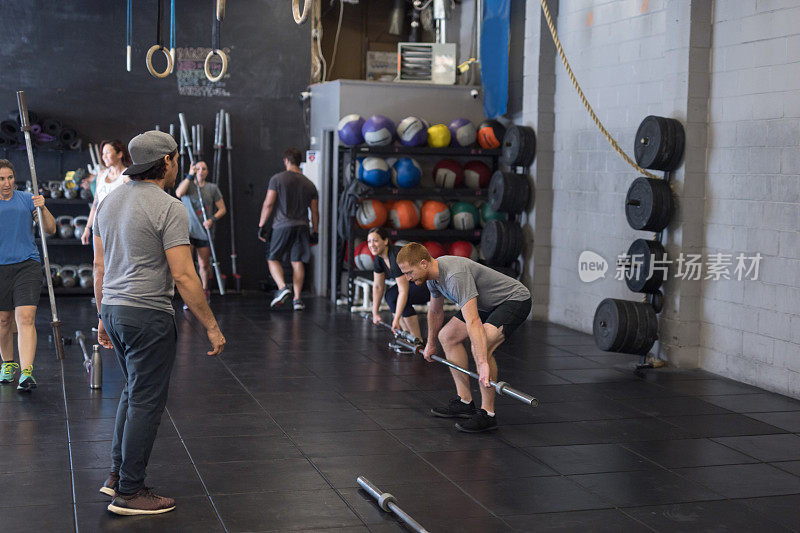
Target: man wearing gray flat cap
{"points": [[142, 234]]}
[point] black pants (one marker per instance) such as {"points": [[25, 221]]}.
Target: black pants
{"points": [[144, 340], [417, 295]]}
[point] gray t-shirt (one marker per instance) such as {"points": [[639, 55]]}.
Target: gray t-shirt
{"points": [[295, 193], [191, 200], [461, 280], [137, 223]]}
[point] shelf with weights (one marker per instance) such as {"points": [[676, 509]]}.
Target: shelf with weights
{"points": [[55, 241]]}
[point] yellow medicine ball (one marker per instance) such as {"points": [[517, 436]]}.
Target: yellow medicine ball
{"points": [[438, 136]]}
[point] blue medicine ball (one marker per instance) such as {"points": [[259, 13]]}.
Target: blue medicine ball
{"points": [[374, 171], [350, 130], [378, 131], [408, 173]]}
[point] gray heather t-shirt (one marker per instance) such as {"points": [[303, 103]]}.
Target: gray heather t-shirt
{"points": [[137, 223], [191, 200], [295, 193], [461, 280]]}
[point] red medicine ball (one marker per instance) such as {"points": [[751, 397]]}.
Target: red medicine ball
{"points": [[434, 248]]}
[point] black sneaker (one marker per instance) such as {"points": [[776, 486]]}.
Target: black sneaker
{"points": [[455, 409], [281, 297], [478, 422], [109, 488], [143, 502]]}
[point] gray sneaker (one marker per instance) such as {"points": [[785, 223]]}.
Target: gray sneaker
{"points": [[298, 305], [281, 297], [143, 502]]}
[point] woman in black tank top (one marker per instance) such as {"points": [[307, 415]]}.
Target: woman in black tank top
{"points": [[401, 297]]}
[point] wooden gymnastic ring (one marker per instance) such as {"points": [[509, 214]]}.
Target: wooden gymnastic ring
{"points": [[220, 10], [207, 65], [300, 18], [149, 61]]}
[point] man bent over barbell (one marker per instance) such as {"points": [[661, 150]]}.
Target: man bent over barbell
{"points": [[491, 306]]}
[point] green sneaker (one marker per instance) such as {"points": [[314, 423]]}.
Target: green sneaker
{"points": [[26, 381], [7, 372]]}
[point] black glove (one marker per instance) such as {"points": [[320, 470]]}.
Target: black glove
{"points": [[314, 238], [265, 232], [190, 177]]}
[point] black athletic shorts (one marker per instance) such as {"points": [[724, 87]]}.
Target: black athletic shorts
{"points": [[509, 314], [198, 243], [291, 243], [20, 284]]}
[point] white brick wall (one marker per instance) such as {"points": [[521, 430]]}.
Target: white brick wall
{"points": [[731, 74], [755, 147]]}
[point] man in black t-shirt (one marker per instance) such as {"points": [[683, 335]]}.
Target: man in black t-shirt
{"points": [[290, 196]]}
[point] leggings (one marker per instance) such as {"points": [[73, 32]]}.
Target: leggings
{"points": [[417, 295]]}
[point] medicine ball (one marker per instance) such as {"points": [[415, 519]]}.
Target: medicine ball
{"points": [[403, 214], [347, 175], [407, 173], [490, 134], [488, 214], [371, 214], [464, 215], [463, 249], [374, 171], [438, 136], [364, 260], [435, 215], [477, 174], [378, 131], [448, 174], [462, 132], [412, 131], [350, 130], [435, 249]]}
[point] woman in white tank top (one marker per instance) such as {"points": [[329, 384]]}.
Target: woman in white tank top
{"points": [[116, 159]]}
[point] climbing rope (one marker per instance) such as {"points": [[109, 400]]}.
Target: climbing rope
{"points": [[586, 104]]}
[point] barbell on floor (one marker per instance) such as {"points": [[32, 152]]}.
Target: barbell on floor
{"points": [[407, 340], [388, 503]]}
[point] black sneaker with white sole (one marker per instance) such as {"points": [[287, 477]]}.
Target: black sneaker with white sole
{"points": [[281, 297], [455, 409], [109, 488], [478, 423], [143, 502]]}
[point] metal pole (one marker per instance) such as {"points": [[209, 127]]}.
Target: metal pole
{"points": [[415, 345], [229, 148], [26, 128], [388, 503], [215, 263]]}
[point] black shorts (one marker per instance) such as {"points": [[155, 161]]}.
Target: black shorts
{"points": [[198, 243], [509, 314], [291, 243], [417, 295], [20, 284]]}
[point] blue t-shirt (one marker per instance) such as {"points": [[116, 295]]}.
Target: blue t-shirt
{"points": [[17, 243]]}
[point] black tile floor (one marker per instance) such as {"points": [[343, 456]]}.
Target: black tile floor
{"points": [[271, 437]]}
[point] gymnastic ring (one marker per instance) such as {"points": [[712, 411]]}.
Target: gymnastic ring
{"points": [[149, 61], [300, 18], [207, 65], [220, 10]]}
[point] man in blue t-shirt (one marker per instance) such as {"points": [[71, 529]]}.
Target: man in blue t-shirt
{"points": [[20, 275]]}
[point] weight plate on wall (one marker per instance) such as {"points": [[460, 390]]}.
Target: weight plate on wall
{"points": [[648, 204], [519, 146], [624, 326], [644, 254], [508, 192], [659, 143]]}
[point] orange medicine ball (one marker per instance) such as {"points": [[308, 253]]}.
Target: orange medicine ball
{"points": [[403, 214], [435, 215]]}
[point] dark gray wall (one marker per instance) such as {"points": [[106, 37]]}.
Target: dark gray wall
{"points": [[69, 57]]}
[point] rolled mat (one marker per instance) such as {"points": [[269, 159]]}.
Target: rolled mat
{"points": [[40, 138], [51, 126], [9, 128], [67, 135], [33, 116], [76, 144], [36, 128]]}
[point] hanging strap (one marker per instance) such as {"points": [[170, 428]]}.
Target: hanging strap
{"points": [[129, 36], [159, 46], [215, 48]]}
